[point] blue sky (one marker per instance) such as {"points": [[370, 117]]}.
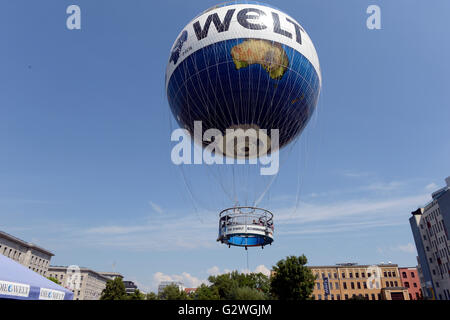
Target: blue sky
{"points": [[85, 167]]}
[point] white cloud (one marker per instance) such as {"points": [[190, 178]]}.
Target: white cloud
{"points": [[262, 269], [365, 208], [381, 186], [408, 248], [355, 174], [199, 231], [188, 280], [156, 207], [432, 186], [213, 271]]}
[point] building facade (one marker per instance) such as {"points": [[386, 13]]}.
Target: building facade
{"points": [[350, 280], [430, 229], [411, 281], [130, 287], [25, 253], [85, 283]]}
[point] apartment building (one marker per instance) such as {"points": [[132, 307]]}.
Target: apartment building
{"points": [[430, 228], [28, 254], [86, 284], [350, 280]]}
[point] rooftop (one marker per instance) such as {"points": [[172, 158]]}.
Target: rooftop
{"points": [[24, 243], [82, 269], [353, 265]]}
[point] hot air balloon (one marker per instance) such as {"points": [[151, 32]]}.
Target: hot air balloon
{"points": [[238, 67]]}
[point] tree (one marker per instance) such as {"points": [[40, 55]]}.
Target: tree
{"points": [[228, 285], [54, 280], [136, 295], [114, 290], [292, 279], [247, 293], [151, 296], [173, 292], [205, 292]]}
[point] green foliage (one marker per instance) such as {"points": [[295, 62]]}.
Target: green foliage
{"points": [[205, 292], [292, 279], [54, 280], [246, 293], [136, 295], [114, 290], [172, 292], [151, 296], [228, 285]]}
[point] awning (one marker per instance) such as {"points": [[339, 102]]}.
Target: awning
{"points": [[19, 282]]}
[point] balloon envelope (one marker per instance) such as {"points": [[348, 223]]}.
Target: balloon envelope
{"points": [[244, 65]]}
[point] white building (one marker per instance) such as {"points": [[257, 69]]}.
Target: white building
{"points": [[85, 283], [27, 254], [430, 228], [164, 284]]}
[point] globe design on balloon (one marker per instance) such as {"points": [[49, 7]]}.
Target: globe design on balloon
{"points": [[244, 65]]}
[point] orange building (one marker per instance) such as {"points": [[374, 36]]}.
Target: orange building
{"points": [[350, 280], [410, 280]]}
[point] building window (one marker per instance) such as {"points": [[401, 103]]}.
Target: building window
{"points": [[352, 284], [357, 274], [343, 275], [318, 286], [345, 285], [363, 275], [413, 275], [346, 297], [415, 285], [404, 274], [385, 274], [338, 297], [350, 275], [406, 284], [358, 284], [336, 285], [320, 296], [373, 296]]}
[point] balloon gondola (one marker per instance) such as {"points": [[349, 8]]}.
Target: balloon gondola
{"points": [[246, 227]]}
